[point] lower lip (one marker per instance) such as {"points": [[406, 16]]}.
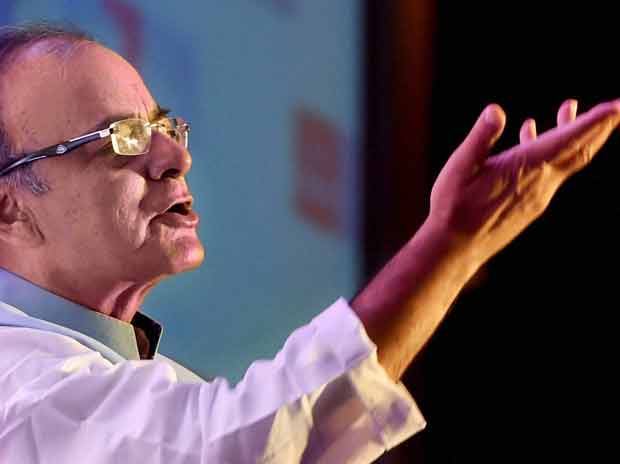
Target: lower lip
{"points": [[179, 220]]}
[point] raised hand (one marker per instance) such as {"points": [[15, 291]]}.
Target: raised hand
{"points": [[479, 203], [482, 202]]}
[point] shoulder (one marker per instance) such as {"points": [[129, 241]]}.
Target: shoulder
{"points": [[28, 354], [22, 341]]}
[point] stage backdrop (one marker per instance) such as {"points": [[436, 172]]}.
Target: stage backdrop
{"points": [[272, 89]]}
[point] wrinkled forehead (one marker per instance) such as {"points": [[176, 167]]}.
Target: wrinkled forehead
{"points": [[49, 97]]}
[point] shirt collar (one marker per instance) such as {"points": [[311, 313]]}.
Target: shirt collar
{"points": [[138, 340]]}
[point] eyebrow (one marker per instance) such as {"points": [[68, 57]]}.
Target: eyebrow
{"points": [[157, 113]]}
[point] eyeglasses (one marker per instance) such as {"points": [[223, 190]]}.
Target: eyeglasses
{"points": [[130, 137]]}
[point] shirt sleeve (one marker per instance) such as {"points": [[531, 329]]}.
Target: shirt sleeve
{"points": [[324, 398]]}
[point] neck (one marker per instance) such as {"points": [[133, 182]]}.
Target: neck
{"points": [[114, 298]]}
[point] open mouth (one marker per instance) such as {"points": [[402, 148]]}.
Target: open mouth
{"points": [[183, 208], [181, 215]]}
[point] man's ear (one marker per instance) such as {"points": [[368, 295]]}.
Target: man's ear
{"points": [[18, 223]]}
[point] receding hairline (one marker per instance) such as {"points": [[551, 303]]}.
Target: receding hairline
{"points": [[55, 46], [53, 38]]}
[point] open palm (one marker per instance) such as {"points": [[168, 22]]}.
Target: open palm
{"points": [[482, 202]]}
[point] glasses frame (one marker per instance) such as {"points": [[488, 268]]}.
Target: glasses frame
{"points": [[68, 146]]}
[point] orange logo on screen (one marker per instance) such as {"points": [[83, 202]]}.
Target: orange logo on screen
{"points": [[319, 171]]}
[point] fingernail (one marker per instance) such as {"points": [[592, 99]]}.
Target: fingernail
{"points": [[491, 116], [573, 108]]}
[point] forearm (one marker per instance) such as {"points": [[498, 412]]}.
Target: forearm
{"points": [[487, 199], [406, 301]]}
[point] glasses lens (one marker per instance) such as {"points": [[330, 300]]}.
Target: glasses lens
{"points": [[175, 128], [184, 131], [131, 137]]}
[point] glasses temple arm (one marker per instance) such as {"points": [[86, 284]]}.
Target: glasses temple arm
{"points": [[72, 144], [56, 150]]}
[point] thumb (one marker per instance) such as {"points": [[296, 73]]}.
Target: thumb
{"points": [[478, 143]]}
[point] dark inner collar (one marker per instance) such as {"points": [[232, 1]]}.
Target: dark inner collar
{"points": [[148, 334]]}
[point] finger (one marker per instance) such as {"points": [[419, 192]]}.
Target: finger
{"points": [[567, 112], [528, 131], [476, 147], [573, 145]]}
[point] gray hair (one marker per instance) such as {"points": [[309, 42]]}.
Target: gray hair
{"points": [[12, 40]]}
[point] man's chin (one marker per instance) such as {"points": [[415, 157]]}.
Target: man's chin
{"points": [[182, 255], [165, 257], [187, 254]]}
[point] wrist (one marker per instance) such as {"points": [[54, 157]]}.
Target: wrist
{"points": [[450, 253]]}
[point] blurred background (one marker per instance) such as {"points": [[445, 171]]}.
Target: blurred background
{"points": [[318, 128]]}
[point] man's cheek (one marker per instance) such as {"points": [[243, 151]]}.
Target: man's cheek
{"points": [[72, 216]]}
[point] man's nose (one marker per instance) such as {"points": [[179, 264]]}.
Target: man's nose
{"points": [[167, 158]]}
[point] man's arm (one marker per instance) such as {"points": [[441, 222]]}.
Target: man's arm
{"points": [[479, 204], [406, 301]]}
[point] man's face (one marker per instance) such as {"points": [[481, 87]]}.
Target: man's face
{"points": [[103, 215]]}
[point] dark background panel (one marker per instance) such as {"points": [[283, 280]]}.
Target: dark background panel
{"points": [[523, 366]]}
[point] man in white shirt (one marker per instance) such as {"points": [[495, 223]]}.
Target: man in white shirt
{"points": [[95, 211]]}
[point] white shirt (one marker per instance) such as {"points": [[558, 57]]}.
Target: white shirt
{"points": [[67, 396]]}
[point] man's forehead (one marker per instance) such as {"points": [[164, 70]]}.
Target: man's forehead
{"points": [[56, 96], [110, 84]]}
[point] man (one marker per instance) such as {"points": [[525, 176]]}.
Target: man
{"points": [[95, 211]]}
